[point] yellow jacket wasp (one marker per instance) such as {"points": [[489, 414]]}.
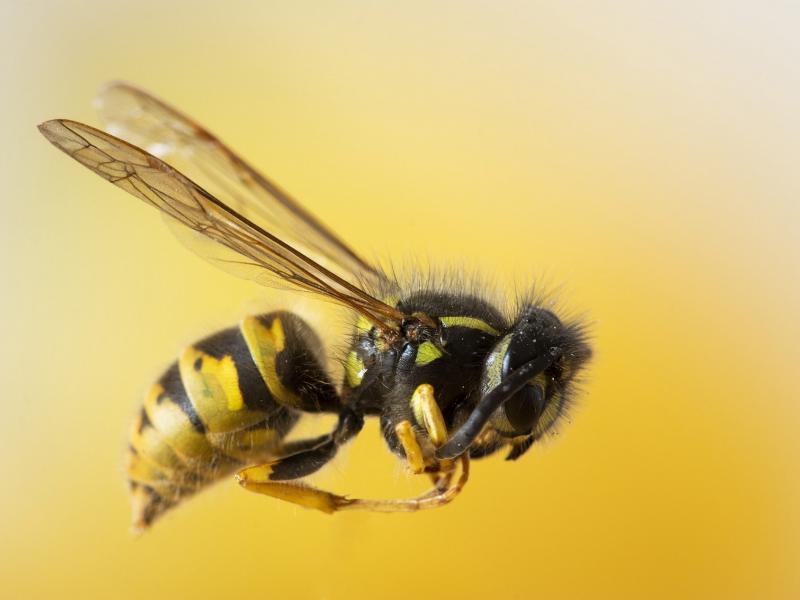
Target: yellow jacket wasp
{"points": [[447, 373]]}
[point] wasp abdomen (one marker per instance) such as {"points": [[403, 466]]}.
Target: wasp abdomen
{"points": [[227, 402]]}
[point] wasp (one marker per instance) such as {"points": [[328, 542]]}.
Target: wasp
{"points": [[450, 375]]}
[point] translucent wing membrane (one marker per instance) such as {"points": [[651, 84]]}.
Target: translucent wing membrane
{"points": [[254, 248], [140, 118]]}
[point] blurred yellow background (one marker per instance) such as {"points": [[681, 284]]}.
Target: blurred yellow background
{"points": [[645, 157]]}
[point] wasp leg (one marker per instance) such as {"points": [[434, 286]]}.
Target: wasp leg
{"points": [[441, 479], [411, 447], [427, 413], [266, 479], [296, 493], [288, 448], [311, 497], [433, 499], [314, 454]]}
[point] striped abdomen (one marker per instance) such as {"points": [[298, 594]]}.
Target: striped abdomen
{"points": [[226, 403]]}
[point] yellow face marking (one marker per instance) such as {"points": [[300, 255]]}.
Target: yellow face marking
{"points": [[354, 369], [427, 353], [265, 343], [470, 322], [494, 365], [405, 433]]}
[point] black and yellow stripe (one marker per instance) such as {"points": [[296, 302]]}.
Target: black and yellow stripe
{"points": [[227, 402]]}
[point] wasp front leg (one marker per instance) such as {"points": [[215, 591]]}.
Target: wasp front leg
{"points": [[427, 413], [413, 451]]}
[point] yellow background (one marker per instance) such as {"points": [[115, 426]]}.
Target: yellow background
{"points": [[645, 157]]}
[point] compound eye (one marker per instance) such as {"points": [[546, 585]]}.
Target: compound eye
{"points": [[524, 408]]}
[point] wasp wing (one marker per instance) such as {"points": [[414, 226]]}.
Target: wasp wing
{"points": [[146, 121], [158, 184]]}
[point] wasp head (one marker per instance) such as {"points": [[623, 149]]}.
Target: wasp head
{"points": [[526, 380], [541, 400]]}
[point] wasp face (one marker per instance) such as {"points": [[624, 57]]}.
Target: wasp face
{"points": [[525, 383], [540, 337]]}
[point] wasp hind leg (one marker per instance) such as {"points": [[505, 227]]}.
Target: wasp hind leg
{"points": [[254, 480], [294, 492], [274, 478], [271, 478], [436, 497]]}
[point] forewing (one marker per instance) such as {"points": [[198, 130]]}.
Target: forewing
{"points": [[142, 119], [158, 184]]}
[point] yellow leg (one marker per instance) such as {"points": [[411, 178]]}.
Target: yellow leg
{"points": [[405, 433], [294, 492], [311, 497], [426, 411]]}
